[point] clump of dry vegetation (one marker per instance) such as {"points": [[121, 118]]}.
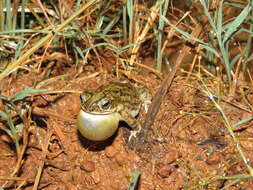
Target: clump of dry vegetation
{"points": [[194, 56]]}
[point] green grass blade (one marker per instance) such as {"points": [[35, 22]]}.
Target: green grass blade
{"points": [[111, 24], [79, 51], [3, 114], [110, 46], [24, 93], [249, 59], [77, 6], [234, 60], [18, 49], [8, 15], [12, 132], [23, 14], [212, 23], [211, 49], [190, 37], [130, 13], [242, 122], [248, 46], [219, 21], [233, 183], [124, 22], [37, 17], [6, 32], [100, 22], [134, 182], [237, 5], [2, 15], [14, 18], [128, 46], [163, 11], [237, 22]]}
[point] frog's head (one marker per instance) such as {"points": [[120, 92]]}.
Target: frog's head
{"points": [[99, 103], [98, 118]]}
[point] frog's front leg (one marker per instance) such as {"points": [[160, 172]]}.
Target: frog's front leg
{"points": [[132, 122], [136, 128]]}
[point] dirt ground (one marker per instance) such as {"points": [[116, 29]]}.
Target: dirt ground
{"points": [[190, 147]]}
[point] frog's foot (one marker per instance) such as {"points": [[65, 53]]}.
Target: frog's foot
{"points": [[146, 105], [133, 133]]}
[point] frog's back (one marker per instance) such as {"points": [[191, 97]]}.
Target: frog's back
{"points": [[120, 91]]}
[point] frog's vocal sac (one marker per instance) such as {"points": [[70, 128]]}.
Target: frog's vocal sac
{"points": [[103, 108]]}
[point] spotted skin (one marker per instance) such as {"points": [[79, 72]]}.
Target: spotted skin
{"points": [[117, 97]]}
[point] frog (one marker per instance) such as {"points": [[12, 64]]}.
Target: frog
{"points": [[121, 97]]}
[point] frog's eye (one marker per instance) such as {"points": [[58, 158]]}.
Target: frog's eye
{"points": [[105, 104]]}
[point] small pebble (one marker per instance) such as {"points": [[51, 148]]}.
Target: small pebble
{"points": [[1, 105], [250, 98], [247, 145], [120, 159], [171, 157], [88, 166], [213, 159], [235, 169], [110, 151], [6, 138], [250, 130], [165, 171], [96, 176]]}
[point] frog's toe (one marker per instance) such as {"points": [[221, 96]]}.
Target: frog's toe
{"points": [[146, 105], [133, 133]]}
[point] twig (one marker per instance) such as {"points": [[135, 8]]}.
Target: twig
{"points": [[42, 161], [154, 108], [15, 178]]}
